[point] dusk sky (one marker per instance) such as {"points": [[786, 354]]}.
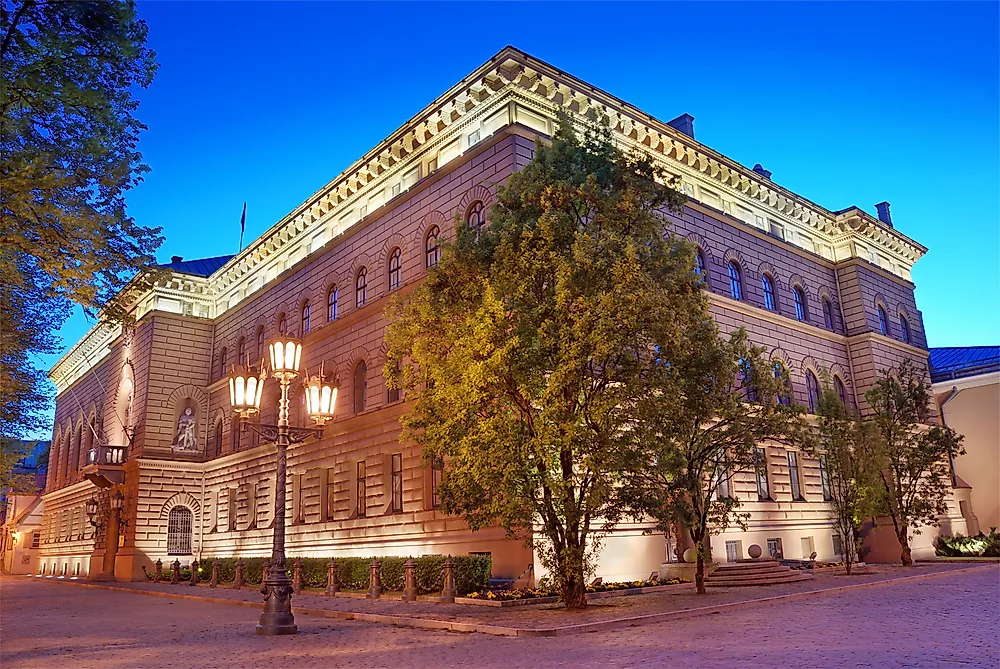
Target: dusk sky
{"points": [[847, 104]]}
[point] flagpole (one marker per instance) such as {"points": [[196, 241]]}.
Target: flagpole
{"points": [[243, 224]]}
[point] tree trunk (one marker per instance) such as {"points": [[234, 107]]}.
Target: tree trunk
{"points": [[574, 587], [905, 556], [699, 570]]}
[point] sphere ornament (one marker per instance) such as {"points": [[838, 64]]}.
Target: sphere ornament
{"points": [[754, 551]]}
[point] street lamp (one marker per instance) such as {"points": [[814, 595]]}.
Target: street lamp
{"points": [[245, 392], [92, 511]]}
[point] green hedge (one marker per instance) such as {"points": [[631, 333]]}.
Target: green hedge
{"points": [[472, 572]]}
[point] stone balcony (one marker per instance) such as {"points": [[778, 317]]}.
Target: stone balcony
{"points": [[105, 465]]}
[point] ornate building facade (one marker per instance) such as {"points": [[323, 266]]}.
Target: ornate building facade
{"points": [[147, 411]]}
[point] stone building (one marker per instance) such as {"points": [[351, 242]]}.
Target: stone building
{"points": [[147, 410]]}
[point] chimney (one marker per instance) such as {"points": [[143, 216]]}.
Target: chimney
{"points": [[175, 259], [883, 213], [683, 123], [759, 169]]}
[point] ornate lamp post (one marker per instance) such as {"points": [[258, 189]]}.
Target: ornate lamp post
{"points": [[245, 392], [108, 513]]}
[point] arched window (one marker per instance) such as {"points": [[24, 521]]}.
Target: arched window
{"points": [[241, 351], [282, 323], [395, 269], [432, 247], [838, 385], [768, 285], [699, 264], [827, 313], [217, 446], [331, 304], [306, 317], [904, 328], [801, 310], [361, 287], [89, 440], [260, 343], [476, 216], [812, 389], [222, 362], [784, 392], [360, 387], [392, 394], [883, 321], [746, 377], [179, 524], [735, 281]]}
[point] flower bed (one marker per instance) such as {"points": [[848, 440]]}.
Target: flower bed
{"points": [[541, 595]]}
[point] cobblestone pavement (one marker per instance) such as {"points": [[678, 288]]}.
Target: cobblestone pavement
{"points": [[678, 598], [948, 621]]}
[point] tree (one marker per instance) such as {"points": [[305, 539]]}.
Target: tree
{"points": [[527, 352], [845, 447], [68, 156], [726, 411], [912, 459]]}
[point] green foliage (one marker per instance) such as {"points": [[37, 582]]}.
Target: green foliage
{"points": [[912, 460], [527, 351], [723, 406], [68, 155], [846, 447], [984, 545], [472, 572]]}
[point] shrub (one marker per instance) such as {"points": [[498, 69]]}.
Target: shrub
{"points": [[957, 545], [472, 572]]}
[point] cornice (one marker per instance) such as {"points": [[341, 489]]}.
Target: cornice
{"points": [[967, 382], [775, 318], [875, 337]]}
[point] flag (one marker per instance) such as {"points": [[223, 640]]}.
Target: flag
{"points": [[243, 224]]}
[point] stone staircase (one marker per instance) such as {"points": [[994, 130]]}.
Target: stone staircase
{"points": [[762, 571]]}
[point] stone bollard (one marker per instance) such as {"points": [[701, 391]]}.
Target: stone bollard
{"points": [[375, 579], [195, 579], [214, 583], [158, 574], [332, 586], [297, 576], [238, 581], [448, 576], [175, 567], [410, 581]]}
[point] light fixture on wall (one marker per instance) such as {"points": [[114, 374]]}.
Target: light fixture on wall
{"points": [[246, 387]]}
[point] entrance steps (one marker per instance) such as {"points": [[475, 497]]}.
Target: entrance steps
{"points": [[762, 571]]}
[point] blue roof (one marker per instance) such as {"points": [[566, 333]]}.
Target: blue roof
{"points": [[956, 362], [200, 267]]}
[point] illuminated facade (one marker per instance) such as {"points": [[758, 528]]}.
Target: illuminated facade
{"points": [[151, 405]]}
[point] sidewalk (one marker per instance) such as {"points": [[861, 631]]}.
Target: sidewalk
{"points": [[547, 619]]}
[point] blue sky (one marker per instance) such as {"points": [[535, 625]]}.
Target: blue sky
{"points": [[847, 104]]}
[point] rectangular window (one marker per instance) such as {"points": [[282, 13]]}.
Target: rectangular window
{"points": [[437, 473], [231, 509], [824, 477], [774, 548], [330, 497], [722, 490], [397, 482], [298, 508], [362, 500], [36, 539], [838, 545], [808, 548], [734, 550], [776, 229], [793, 475], [763, 488], [392, 394]]}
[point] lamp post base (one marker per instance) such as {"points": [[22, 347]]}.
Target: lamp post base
{"points": [[277, 618]]}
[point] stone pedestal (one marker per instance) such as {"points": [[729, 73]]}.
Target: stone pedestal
{"points": [[375, 580], [448, 590], [410, 581], [332, 585]]}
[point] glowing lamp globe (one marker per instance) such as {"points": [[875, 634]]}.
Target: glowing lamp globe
{"points": [[286, 353], [321, 399], [246, 388]]}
